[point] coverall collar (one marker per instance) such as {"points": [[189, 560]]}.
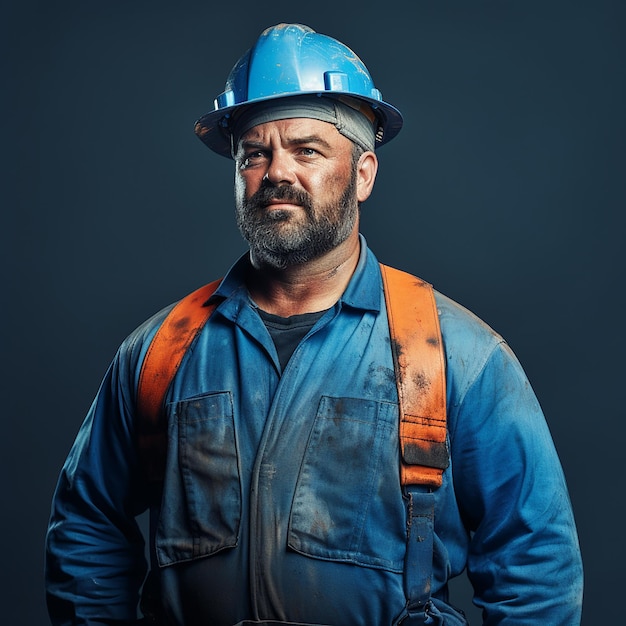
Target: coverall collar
{"points": [[364, 290]]}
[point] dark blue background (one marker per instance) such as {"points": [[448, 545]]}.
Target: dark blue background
{"points": [[505, 189]]}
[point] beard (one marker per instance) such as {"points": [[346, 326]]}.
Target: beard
{"points": [[280, 239]]}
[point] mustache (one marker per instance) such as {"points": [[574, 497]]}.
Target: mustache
{"points": [[266, 193]]}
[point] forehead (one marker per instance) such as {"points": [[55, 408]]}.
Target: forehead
{"points": [[295, 129]]}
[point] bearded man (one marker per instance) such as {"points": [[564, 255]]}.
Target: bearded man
{"points": [[281, 482]]}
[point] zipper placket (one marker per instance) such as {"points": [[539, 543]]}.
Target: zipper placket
{"points": [[271, 431]]}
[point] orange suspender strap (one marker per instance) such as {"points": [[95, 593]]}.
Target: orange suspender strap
{"points": [[418, 362], [420, 373], [165, 354]]}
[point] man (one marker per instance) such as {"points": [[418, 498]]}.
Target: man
{"points": [[280, 497]]}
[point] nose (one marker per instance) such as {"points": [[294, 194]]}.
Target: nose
{"points": [[280, 170]]}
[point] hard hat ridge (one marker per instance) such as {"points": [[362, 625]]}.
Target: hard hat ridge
{"points": [[292, 60]]}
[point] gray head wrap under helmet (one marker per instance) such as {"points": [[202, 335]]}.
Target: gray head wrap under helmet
{"points": [[351, 118]]}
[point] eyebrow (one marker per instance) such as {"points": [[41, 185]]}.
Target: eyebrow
{"points": [[314, 139]]}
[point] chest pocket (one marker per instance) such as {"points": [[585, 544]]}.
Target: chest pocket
{"points": [[202, 489], [347, 505]]}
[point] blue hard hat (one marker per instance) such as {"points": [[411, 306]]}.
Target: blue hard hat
{"points": [[292, 60]]}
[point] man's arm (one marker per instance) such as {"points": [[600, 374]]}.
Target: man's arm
{"points": [[95, 562], [524, 560]]}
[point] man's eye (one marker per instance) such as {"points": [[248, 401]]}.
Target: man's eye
{"points": [[252, 158]]}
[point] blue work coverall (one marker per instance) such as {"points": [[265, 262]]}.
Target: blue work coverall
{"points": [[282, 499]]}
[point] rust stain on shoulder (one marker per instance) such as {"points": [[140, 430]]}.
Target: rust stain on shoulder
{"points": [[182, 323]]}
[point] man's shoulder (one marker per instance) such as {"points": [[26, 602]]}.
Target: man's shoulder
{"points": [[138, 341], [468, 340], [456, 320]]}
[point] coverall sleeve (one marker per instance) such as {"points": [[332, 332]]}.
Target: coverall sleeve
{"points": [[524, 559], [95, 562]]}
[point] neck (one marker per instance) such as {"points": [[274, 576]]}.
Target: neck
{"points": [[307, 288]]}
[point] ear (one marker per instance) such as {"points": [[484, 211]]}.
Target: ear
{"points": [[366, 175]]}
